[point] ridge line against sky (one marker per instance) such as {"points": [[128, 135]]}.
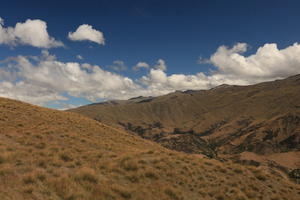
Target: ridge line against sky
{"points": [[36, 65]]}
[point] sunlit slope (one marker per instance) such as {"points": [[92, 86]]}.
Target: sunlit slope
{"points": [[262, 118], [48, 154]]}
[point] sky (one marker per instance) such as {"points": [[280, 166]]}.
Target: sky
{"points": [[63, 54]]}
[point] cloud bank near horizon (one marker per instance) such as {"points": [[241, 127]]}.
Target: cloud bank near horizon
{"points": [[42, 79]]}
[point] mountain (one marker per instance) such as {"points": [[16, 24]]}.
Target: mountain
{"points": [[256, 124], [49, 154]]}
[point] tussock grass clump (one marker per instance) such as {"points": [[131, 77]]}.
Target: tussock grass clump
{"points": [[65, 157], [133, 178], [64, 188], [171, 193], [41, 145], [259, 175], [220, 197], [42, 163], [5, 170], [29, 179], [124, 193], [238, 170], [151, 175], [208, 163], [2, 159], [128, 164], [40, 175], [150, 152], [86, 174], [28, 189]]}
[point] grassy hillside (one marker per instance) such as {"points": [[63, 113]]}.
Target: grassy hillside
{"points": [[48, 154], [225, 121]]}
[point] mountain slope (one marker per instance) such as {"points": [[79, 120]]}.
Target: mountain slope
{"points": [[226, 121], [48, 154]]}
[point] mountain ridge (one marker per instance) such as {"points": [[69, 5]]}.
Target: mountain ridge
{"points": [[224, 121]]}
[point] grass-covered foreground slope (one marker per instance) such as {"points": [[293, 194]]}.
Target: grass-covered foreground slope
{"points": [[48, 154]]}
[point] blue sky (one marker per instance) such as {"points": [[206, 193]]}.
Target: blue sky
{"points": [[179, 32]]}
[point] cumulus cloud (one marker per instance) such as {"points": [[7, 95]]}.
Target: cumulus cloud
{"points": [[29, 92], [31, 32], [157, 82], [160, 64], [140, 65], [86, 32], [268, 63], [40, 79]]}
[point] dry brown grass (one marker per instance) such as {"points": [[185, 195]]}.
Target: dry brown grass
{"points": [[48, 154], [261, 118]]}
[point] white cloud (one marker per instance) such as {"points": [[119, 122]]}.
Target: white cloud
{"points": [[31, 32], [86, 32], [160, 64], [79, 57], [158, 82], [141, 65], [29, 92], [40, 79], [268, 63]]}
